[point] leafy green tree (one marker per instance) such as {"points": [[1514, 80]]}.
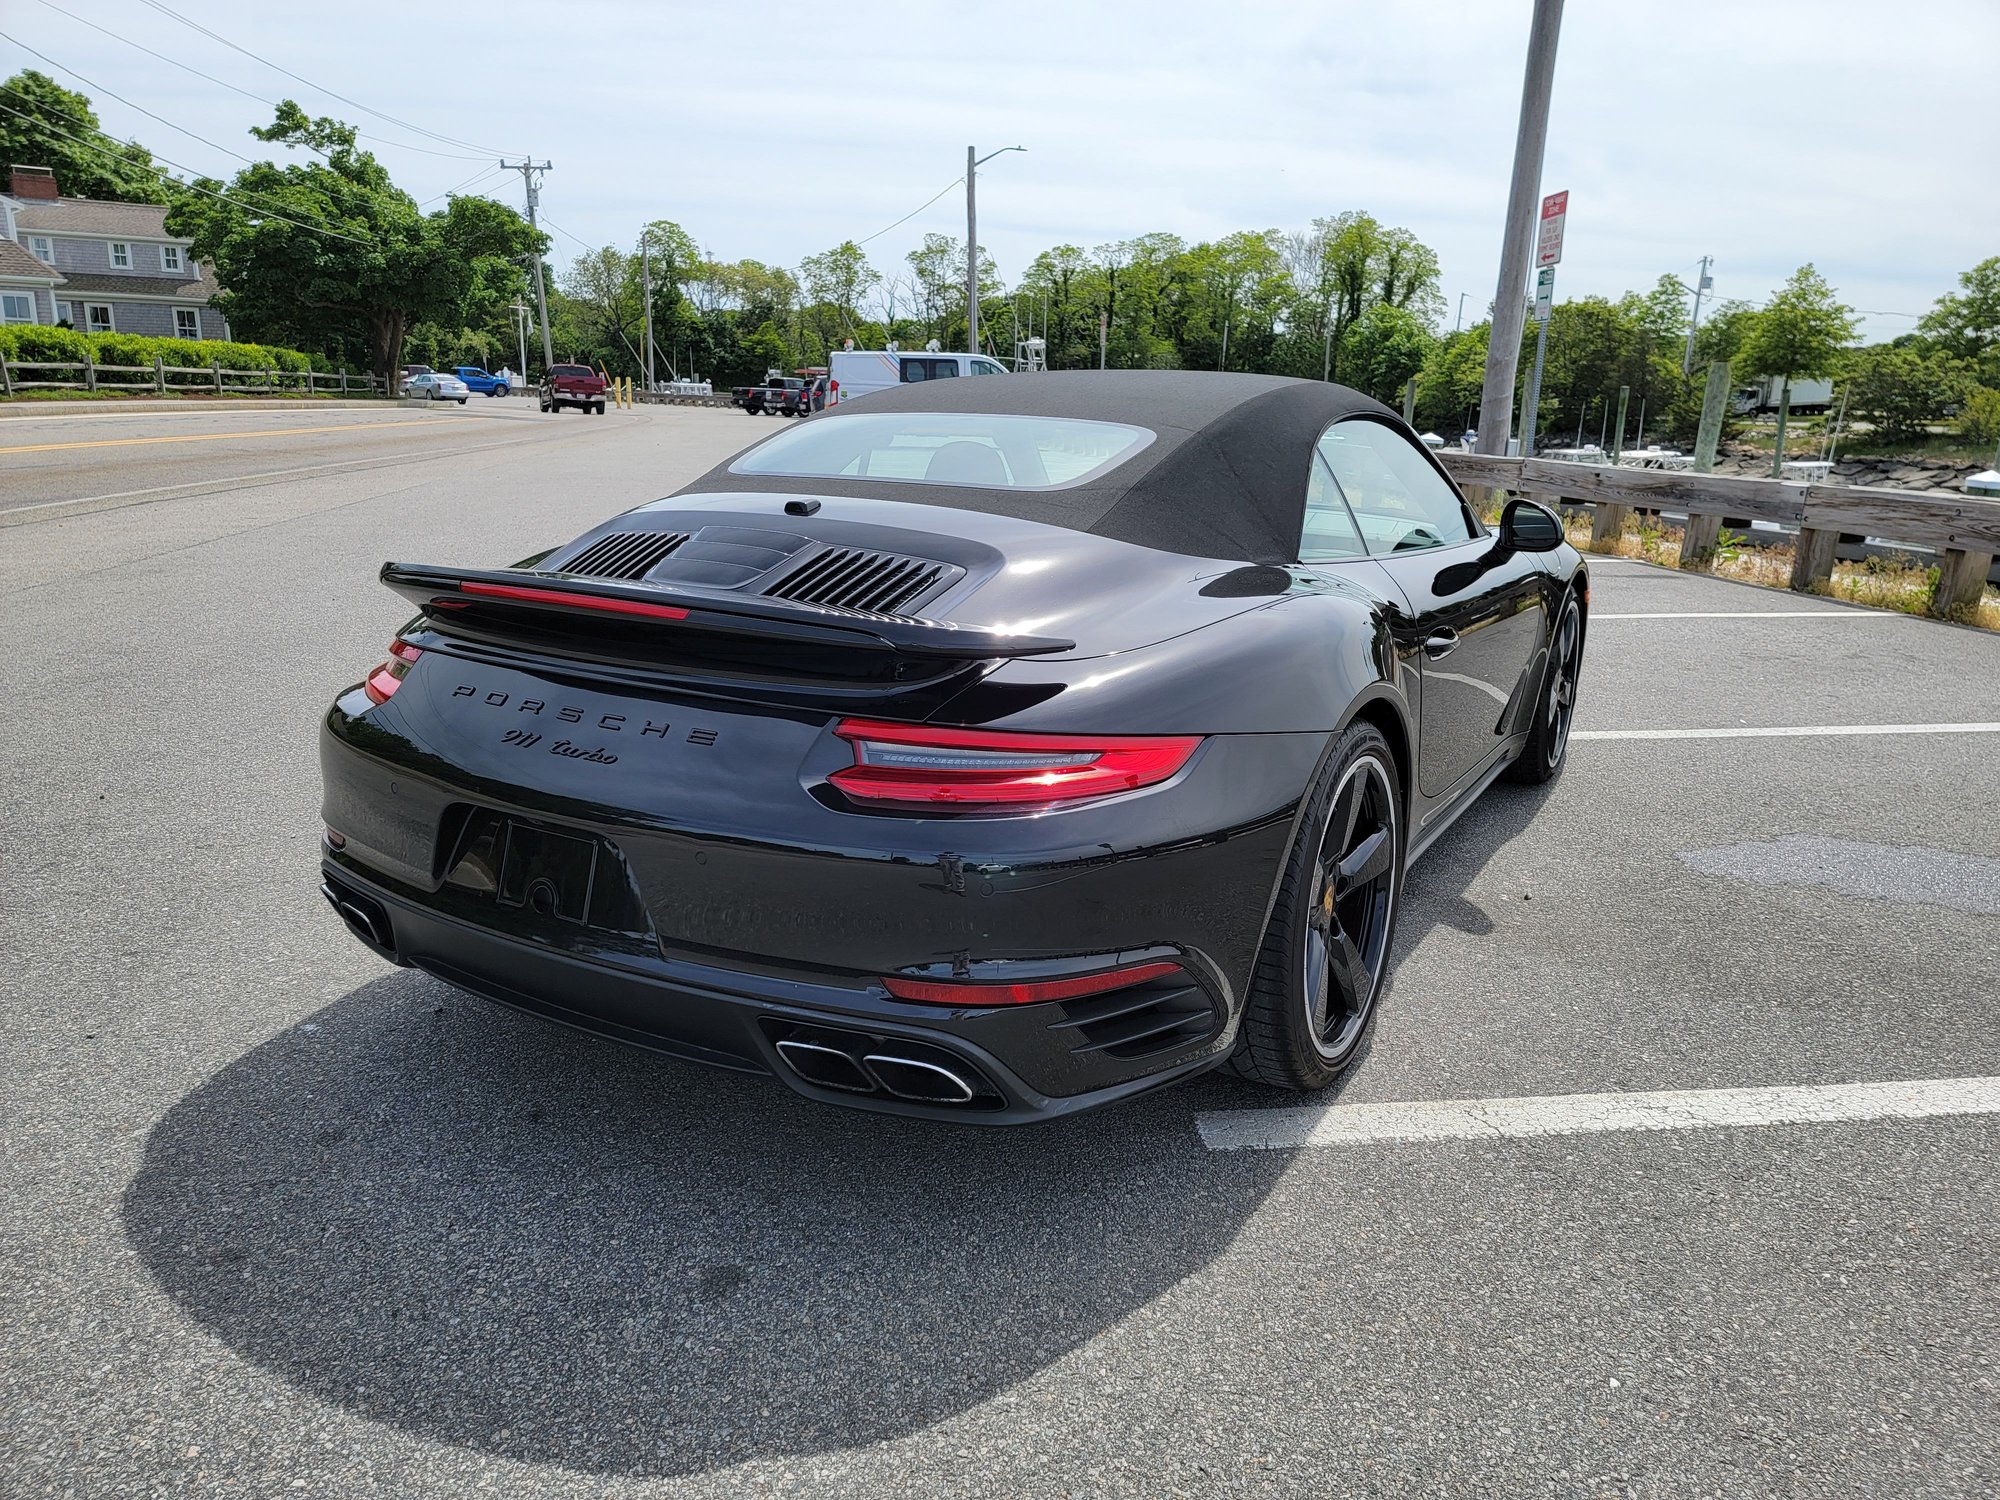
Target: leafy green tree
{"points": [[1450, 382], [1723, 332], [834, 282], [62, 134], [353, 263], [1382, 350], [1968, 324], [1901, 389], [1799, 335]]}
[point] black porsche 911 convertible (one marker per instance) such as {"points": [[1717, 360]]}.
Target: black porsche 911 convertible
{"points": [[986, 750]]}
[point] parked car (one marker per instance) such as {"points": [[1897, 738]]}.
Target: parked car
{"points": [[858, 372], [435, 387], [477, 379], [815, 769], [573, 385], [779, 395]]}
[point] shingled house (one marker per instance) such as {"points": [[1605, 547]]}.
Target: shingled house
{"points": [[105, 267]]}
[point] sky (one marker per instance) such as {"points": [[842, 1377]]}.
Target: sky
{"points": [[1859, 136]]}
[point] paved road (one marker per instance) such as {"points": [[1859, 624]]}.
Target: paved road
{"points": [[277, 1219]]}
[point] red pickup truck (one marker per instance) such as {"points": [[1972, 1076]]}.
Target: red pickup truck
{"points": [[573, 385]]}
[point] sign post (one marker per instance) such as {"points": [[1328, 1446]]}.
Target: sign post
{"points": [[1545, 292]]}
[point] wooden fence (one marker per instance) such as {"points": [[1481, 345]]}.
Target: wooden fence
{"points": [[1962, 529], [88, 375]]}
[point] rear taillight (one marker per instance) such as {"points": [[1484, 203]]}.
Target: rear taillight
{"points": [[913, 765], [384, 680], [1074, 987]]}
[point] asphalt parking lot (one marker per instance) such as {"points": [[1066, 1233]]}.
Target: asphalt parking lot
{"points": [[282, 1220]]}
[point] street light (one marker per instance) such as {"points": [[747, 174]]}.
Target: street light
{"points": [[972, 166]]}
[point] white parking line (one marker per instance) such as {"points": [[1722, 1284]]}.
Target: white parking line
{"points": [[1578, 1114], [1780, 732], [1761, 614]]}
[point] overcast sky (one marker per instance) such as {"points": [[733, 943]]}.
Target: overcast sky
{"points": [[1859, 135]]}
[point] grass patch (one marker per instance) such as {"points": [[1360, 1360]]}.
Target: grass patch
{"points": [[1894, 581]]}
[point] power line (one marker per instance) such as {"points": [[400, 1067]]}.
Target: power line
{"points": [[913, 212], [226, 84], [183, 186], [449, 192], [589, 248], [182, 129], [322, 88]]}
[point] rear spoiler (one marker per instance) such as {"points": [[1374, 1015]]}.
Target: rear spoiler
{"points": [[555, 596]]}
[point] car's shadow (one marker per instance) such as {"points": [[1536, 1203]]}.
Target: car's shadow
{"points": [[497, 1233]]}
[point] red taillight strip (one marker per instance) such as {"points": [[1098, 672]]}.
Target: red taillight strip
{"points": [[573, 601], [933, 992], [1103, 764], [381, 684]]}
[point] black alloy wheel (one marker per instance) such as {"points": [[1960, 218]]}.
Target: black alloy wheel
{"points": [[1326, 953], [1542, 757]]}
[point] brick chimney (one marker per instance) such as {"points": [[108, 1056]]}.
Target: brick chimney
{"points": [[34, 182]]}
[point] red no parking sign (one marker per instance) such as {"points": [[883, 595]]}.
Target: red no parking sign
{"points": [[1549, 241]]}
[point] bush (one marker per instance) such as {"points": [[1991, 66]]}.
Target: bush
{"points": [[1900, 390], [1979, 418], [33, 343]]}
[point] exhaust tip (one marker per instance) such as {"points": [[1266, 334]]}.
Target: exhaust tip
{"points": [[912, 1078], [827, 1067], [363, 918]]}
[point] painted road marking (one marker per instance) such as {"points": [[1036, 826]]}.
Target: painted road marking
{"points": [[1789, 732], [1582, 1114], [217, 437], [1761, 614]]}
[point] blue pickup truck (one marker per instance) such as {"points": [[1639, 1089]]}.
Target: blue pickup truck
{"points": [[477, 379]]}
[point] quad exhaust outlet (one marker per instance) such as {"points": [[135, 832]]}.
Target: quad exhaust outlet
{"points": [[858, 1064]]}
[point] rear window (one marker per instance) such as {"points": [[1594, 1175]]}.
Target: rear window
{"points": [[571, 370], [926, 447]]}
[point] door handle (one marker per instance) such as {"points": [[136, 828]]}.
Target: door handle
{"points": [[1440, 643]]}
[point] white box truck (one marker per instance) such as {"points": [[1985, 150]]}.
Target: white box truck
{"points": [[1764, 395], [855, 373]]}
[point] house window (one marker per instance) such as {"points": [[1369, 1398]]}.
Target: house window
{"points": [[16, 307], [97, 317], [187, 323], [170, 257], [121, 255], [41, 249]]}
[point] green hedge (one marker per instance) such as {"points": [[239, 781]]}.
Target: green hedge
{"points": [[32, 342]]}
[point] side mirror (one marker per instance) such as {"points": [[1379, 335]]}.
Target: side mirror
{"points": [[1528, 527]]}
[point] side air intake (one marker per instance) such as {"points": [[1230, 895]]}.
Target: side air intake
{"points": [[876, 583], [624, 554]]}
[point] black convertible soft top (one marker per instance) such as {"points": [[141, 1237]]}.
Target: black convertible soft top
{"points": [[1225, 476]]}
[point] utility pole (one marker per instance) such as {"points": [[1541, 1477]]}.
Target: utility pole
{"points": [[1503, 352], [972, 165], [1701, 284], [1458, 322], [646, 278], [531, 172]]}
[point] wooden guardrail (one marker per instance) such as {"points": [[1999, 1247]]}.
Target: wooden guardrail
{"points": [[1964, 530], [88, 375]]}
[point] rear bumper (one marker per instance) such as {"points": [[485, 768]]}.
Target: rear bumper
{"points": [[827, 1042], [730, 902]]}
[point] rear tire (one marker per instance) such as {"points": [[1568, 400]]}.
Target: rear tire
{"points": [[1325, 956], [1541, 759]]}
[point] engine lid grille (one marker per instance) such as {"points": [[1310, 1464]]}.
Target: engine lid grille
{"points": [[876, 583], [625, 554]]}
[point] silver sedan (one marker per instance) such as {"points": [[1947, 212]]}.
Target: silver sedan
{"points": [[435, 387]]}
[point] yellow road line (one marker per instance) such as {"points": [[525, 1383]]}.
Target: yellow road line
{"points": [[218, 437]]}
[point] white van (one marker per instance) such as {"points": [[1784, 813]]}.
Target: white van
{"points": [[858, 372]]}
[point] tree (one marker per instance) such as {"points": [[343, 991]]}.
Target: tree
{"points": [[352, 264], [1901, 389], [63, 135], [1799, 335], [834, 282], [1384, 348], [1968, 325]]}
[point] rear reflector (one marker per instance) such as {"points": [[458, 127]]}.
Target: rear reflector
{"points": [[929, 992], [384, 680], [573, 601], [916, 765]]}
